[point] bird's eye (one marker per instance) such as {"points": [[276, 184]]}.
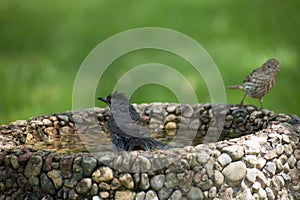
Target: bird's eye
{"points": [[268, 66]]}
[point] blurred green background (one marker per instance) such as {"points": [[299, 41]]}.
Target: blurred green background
{"points": [[43, 43]]}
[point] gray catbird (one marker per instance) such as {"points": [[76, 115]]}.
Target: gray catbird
{"points": [[127, 129]]}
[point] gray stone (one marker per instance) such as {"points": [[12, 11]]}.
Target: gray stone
{"points": [[73, 195], [210, 167], [171, 108], [288, 149], [140, 196], [21, 123], [230, 174], [46, 184], [64, 118], [88, 165], [270, 154], [151, 195], [127, 180], [14, 162], [171, 118], [145, 164], [270, 167], [212, 193], [144, 182], [279, 149], [292, 161], [219, 178], [77, 164], [251, 174], [84, 185], [279, 165], [278, 183], [236, 152], [96, 198], [224, 159], [164, 193], [195, 194], [124, 195], [157, 182], [34, 166], [34, 181], [176, 195], [251, 147], [187, 111], [55, 176], [262, 178], [94, 189], [256, 186], [202, 157], [104, 195], [102, 174], [171, 181], [47, 122], [262, 193], [270, 193], [260, 163]]}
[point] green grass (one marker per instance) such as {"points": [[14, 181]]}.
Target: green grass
{"points": [[44, 44]]}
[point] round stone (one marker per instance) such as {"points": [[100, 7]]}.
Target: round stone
{"points": [[164, 193], [47, 122], [14, 162], [144, 164], [195, 193], [176, 195], [212, 193], [151, 195], [230, 172], [88, 165], [219, 178], [171, 125], [34, 166], [172, 108], [94, 189], [124, 195], [171, 181], [157, 182], [140, 196], [84, 185], [102, 174], [55, 176], [187, 111], [127, 180], [144, 182], [46, 184], [224, 159], [236, 152], [251, 175], [270, 167]]}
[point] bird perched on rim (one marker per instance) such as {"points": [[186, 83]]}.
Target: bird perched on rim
{"points": [[260, 81], [127, 129]]}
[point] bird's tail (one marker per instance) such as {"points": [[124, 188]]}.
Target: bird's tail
{"points": [[234, 87]]}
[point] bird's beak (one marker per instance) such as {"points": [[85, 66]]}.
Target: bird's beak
{"points": [[102, 99]]}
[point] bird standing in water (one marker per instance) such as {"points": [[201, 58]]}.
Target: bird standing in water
{"points": [[260, 81], [126, 127]]}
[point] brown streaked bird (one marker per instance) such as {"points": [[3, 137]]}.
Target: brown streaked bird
{"points": [[260, 81]]}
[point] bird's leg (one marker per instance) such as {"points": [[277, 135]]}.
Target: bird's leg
{"points": [[261, 105], [242, 102]]}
